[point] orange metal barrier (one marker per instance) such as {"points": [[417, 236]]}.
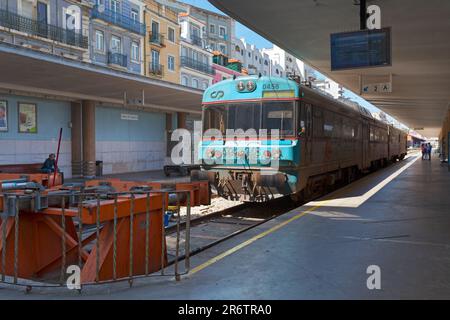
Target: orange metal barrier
{"points": [[42, 178], [111, 234]]}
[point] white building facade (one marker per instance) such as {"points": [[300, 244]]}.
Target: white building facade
{"points": [[255, 61], [288, 63], [196, 69]]}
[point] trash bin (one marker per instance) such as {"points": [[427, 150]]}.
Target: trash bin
{"points": [[98, 168]]}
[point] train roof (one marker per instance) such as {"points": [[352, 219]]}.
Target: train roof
{"points": [[263, 87], [270, 88]]}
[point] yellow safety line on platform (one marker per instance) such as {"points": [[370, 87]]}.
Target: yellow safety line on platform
{"points": [[251, 240], [271, 230]]}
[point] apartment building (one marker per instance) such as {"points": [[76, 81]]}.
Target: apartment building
{"points": [[162, 42], [196, 61], [56, 27]]}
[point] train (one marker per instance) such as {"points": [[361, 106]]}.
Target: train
{"points": [[305, 143]]}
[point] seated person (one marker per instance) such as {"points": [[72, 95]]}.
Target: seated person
{"points": [[49, 164]]}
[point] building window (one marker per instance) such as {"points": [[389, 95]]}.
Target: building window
{"points": [[135, 51], [99, 41], [171, 63], [205, 85], [116, 44], [222, 32], [184, 81], [155, 29], [134, 15], [266, 63], [115, 5], [171, 34], [237, 49], [195, 83], [212, 28], [155, 58], [223, 49], [249, 55], [277, 71], [213, 46]]}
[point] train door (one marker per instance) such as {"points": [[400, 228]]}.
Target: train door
{"points": [[365, 144], [306, 131]]}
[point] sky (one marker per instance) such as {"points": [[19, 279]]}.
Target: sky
{"points": [[260, 42], [241, 30]]}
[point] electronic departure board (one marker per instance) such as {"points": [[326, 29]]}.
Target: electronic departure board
{"points": [[360, 49]]}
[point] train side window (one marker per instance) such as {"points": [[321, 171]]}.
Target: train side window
{"points": [[328, 124], [317, 122]]}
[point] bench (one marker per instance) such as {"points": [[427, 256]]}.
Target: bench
{"points": [[21, 168]]}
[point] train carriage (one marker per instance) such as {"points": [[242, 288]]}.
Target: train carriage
{"points": [[265, 137]]}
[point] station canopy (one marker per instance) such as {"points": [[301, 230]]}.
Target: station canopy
{"points": [[420, 70], [27, 71]]}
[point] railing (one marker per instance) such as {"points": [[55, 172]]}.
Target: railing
{"points": [[117, 58], [196, 40], [157, 38], [156, 69], [107, 236], [118, 19], [197, 65], [20, 23]]}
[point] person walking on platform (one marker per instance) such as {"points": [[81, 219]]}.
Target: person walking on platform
{"points": [[429, 148], [422, 146]]}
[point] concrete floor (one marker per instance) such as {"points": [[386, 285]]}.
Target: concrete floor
{"points": [[397, 218]]}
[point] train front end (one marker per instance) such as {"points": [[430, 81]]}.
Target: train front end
{"points": [[250, 149]]}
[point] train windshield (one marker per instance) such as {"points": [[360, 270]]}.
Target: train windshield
{"points": [[247, 115], [278, 115]]}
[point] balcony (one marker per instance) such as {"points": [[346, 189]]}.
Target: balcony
{"points": [[20, 23], [197, 65], [118, 19], [156, 69], [196, 40], [157, 39], [117, 59]]}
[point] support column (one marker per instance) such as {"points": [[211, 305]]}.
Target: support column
{"points": [[77, 143], [181, 120], [88, 138], [169, 130]]}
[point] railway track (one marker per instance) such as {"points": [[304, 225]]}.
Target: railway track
{"points": [[214, 228]]}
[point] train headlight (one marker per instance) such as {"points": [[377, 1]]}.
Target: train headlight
{"points": [[241, 86], [267, 154], [229, 153], [241, 154], [209, 153], [251, 86], [276, 154]]}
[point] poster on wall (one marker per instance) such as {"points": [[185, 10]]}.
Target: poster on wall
{"points": [[27, 118], [3, 116]]}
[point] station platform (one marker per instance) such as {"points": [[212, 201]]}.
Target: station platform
{"points": [[397, 218]]}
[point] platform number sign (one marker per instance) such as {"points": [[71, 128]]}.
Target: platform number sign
{"points": [[385, 87]]}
